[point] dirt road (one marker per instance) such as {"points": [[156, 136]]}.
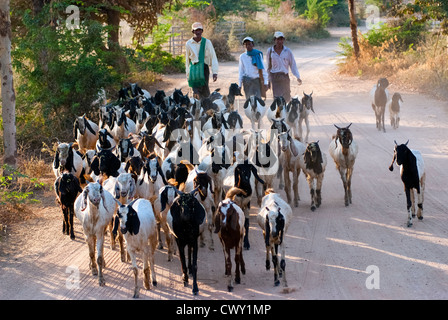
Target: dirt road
{"points": [[364, 251]]}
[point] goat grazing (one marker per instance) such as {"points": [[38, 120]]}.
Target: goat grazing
{"points": [[67, 187], [138, 225], [380, 96], [344, 150], [412, 170], [95, 208], [274, 218], [313, 163], [229, 225], [255, 109], [304, 111], [394, 110], [185, 216]]}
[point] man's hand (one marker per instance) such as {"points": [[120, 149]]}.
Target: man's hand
{"points": [[215, 77], [299, 81]]}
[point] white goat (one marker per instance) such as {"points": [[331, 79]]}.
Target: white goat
{"points": [[274, 218], [313, 163], [151, 178], [122, 126], [291, 151], [394, 110], [85, 132], [95, 208], [138, 225], [123, 189], [343, 149]]}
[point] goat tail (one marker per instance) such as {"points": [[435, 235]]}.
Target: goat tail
{"points": [[235, 191]]}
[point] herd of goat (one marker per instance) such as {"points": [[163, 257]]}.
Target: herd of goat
{"points": [[189, 168]]}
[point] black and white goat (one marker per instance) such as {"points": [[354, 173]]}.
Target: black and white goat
{"points": [[95, 208], [67, 187], [412, 171], [277, 109], [394, 110], [105, 140], [138, 225], [255, 109], [85, 132], [380, 96], [229, 225], [313, 163], [274, 218], [343, 149], [185, 217], [67, 159], [126, 150]]}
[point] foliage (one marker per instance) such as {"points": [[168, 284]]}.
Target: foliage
{"points": [[319, 11], [60, 70], [15, 187]]}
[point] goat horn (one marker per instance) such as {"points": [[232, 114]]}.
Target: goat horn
{"points": [[406, 143], [349, 125], [396, 143], [337, 127]]}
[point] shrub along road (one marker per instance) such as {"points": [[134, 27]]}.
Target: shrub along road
{"points": [[364, 251]]}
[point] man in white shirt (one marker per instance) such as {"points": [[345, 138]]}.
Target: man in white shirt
{"points": [[192, 56], [280, 59], [250, 69]]}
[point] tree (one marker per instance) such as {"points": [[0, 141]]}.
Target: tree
{"points": [[8, 93], [353, 27]]}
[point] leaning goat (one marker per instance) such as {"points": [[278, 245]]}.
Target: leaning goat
{"points": [[412, 170], [229, 225], [313, 163], [138, 225], [274, 218], [67, 187], [343, 149], [95, 208], [185, 217]]}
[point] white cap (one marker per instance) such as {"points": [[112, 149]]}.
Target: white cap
{"points": [[196, 26], [278, 34], [248, 39]]}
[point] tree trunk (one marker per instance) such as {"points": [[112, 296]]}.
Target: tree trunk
{"points": [[353, 27], [113, 21], [8, 93]]}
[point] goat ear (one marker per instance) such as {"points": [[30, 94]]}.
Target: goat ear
{"points": [[199, 212], [75, 129], [293, 148], [84, 196], [273, 105], [132, 189], [246, 104], [56, 160], [267, 231]]}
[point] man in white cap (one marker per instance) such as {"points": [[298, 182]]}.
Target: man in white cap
{"points": [[253, 76], [200, 57], [280, 59]]}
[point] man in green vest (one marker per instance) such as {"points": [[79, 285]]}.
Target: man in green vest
{"points": [[200, 57]]}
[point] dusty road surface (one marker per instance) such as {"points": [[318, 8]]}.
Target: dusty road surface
{"points": [[364, 251]]}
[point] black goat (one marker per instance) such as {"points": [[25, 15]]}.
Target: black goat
{"points": [[106, 163], [187, 215], [245, 175], [67, 187], [413, 177]]}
